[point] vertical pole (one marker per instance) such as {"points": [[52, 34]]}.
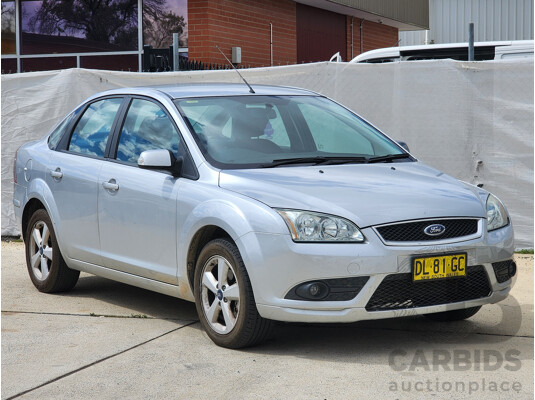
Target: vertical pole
{"points": [[18, 29], [176, 66], [471, 41], [271, 42], [140, 34], [361, 39], [352, 37]]}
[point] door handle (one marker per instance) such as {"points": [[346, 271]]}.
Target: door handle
{"points": [[110, 185], [57, 174]]}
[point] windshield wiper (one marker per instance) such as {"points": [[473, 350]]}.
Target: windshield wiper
{"points": [[334, 160], [388, 158], [315, 160]]}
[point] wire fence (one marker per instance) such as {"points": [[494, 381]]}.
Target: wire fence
{"points": [[161, 60]]}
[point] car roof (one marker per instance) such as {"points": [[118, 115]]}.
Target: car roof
{"points": [[210, 90], [396, 51]]}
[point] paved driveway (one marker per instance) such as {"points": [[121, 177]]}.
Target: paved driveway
{"points": [[106, 340]]}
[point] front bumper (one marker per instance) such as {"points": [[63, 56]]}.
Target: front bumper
{"points": [[276, 264]]}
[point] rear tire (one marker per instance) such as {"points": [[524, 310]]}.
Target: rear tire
{"points": [[224, 298], [453, 315], [46, 266]]}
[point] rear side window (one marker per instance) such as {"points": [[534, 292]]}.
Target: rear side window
{"points": [[146, 127], [91, 133]]}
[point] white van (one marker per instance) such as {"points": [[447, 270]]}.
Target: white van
{"points": [[456, 51]]}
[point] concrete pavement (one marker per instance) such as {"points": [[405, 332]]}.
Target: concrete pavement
{"points": [[106, 340]]}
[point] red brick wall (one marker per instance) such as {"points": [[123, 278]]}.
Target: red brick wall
{"points": [[374, 35], [378, 35], [245, 24]]}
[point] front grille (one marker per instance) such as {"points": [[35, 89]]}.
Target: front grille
{"points": [[399, 291], [504, 270], [414, 231], [339, 289]]}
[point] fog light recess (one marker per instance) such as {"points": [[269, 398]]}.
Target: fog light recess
{"points": [[339, 289], [312, 290], [504, 270]]}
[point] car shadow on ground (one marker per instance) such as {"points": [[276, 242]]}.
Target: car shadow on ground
{"points": [[132, 300], [363, 341]]}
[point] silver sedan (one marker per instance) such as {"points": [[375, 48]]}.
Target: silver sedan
{"points": [[258, 205]]}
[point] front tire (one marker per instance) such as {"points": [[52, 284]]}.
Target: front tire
{"points": [[453, 315], [224, 298], [46, 266]]}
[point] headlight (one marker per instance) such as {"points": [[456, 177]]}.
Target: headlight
{"points": [[496, 215], [307, 226]]}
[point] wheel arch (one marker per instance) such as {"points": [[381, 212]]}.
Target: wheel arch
{"points": [[40, 196], [203, 236], [220, 218], [30, 208]]}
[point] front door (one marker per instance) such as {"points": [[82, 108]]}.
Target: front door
{"points": [[137, 208]]}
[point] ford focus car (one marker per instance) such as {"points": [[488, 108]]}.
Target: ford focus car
{"points": [[261, 205]]}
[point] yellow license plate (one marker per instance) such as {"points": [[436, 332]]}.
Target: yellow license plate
{"points": [[439, 267]]}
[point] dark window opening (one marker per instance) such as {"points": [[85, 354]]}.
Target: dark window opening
{"points": [[162, 18], [61, 26], [8, 27]]}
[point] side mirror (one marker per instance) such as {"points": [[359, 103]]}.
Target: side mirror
{"points": [[404, 145], [160, 159]]}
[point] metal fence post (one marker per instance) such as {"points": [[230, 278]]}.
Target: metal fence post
{"points": [[176, 65], [471, 41]]}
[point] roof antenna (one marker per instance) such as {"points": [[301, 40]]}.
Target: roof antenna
{"points": [[233, 66]]}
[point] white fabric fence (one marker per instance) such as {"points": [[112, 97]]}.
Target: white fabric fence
{"points": [[472, 120]]}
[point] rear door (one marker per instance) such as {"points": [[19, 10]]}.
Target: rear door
{"points": [[137, 208], [72, 176]]}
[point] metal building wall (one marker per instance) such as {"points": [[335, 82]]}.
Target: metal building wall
{"points": [[493, 19], [409, 38], [411, 12]]}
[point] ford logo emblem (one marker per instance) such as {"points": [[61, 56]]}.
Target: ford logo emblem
{"points": [[435, 230]]}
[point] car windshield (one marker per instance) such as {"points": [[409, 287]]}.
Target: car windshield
{"points": [[271, 131]]}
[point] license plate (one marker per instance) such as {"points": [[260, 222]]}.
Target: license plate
{"points": [[439, 267]]}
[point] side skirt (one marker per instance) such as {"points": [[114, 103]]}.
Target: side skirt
{"points": [[179, 291]]}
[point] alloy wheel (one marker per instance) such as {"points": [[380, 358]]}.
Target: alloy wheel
{"points": [[220, 294], [41, 250]]}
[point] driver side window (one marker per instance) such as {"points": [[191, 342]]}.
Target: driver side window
{"points": [[146, 127]]}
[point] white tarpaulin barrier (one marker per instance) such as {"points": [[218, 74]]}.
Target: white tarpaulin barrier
{"points": [[472, 120]]}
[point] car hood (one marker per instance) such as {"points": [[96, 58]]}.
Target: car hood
{"points": [[367, 194]]}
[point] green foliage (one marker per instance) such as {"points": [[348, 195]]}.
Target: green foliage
{"points": [[524, 251]]}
